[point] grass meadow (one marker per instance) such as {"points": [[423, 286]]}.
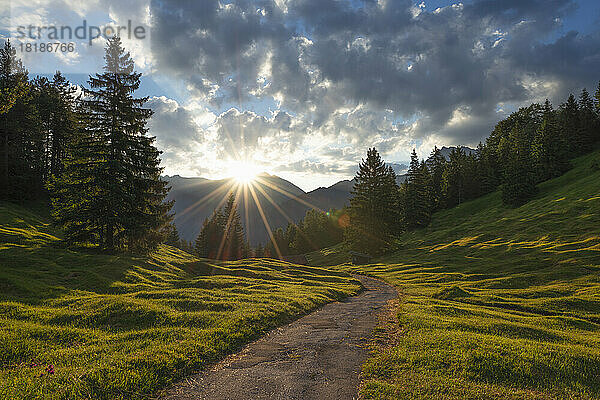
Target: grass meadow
{"points": [[495, 303], [77, 324]]}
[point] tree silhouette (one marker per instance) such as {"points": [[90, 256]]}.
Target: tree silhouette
{"points": [[374, 206]]}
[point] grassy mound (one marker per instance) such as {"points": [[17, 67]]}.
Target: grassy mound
{"points": [[77, 324], [498, 303]]}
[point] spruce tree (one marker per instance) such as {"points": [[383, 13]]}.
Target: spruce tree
{"points": [[13, 78], [588, 120], [21, 136], [172, 236], [290, 236], [259, 252], [209, 240], [596, 134], [436, 164], [453, 185], [519, 178], [63, 123], [471, 176], [418, 194], [570, 126], [55, 106], [222, 235], [233, 239], [487, 169], [246, 250], [550, 149], [111, 192], [373, 206]]}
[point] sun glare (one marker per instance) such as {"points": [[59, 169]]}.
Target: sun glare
{"points": [[242, 172]]}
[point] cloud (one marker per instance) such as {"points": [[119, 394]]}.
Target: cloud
{"points": [[320, 59], [305, 85]]}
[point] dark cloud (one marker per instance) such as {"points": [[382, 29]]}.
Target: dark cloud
{"points": [[384, 73]]}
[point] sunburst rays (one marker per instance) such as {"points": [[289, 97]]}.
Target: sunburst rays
{"points": [[248, 192]]}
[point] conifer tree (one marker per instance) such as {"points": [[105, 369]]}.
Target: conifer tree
{"points": [[233, 239], [246, 250], [588, 120], [436, 164], [519, 177], [315, 231], [418, 194], [454, 178], [570, 126], [12, 72], [596, 133], [111, 192], [171, 235], [373, 208], [259, 252], [209, 240], [222, 235], [487, 169], [63, 123], [280, 240], [21, 140], [549, 149], [55, 106], [290, 235]]}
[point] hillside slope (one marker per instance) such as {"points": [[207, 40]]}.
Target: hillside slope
{"points": [[496, 302], [78, 324]]}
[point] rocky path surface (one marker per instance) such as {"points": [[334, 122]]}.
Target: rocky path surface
{"points": [[316, 357]]}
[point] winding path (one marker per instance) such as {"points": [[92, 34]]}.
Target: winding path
{"points": [[316, 357]]}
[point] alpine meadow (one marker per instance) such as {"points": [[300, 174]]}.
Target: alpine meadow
{"points": [[300, 200]]}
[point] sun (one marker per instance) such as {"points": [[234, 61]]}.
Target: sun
{"points": [[243, 172]]}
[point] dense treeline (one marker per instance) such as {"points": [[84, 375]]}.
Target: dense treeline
{"points": [[87, 152], [532, 145], [36, 124], [316, 230], [222, 235]]}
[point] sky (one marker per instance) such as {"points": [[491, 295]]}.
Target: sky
{"points": [[302, 88]]}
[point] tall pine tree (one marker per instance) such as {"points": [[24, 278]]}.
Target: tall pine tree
{"points": [[550, 150], [418, 194], [21, 137], [222, 235], [208, 241], [63, 123], [570, 126], [111, 192], [596, 135], [519, 178], [588, 119], [373, 206], [232, 244], [436, 164], [454, 182]]}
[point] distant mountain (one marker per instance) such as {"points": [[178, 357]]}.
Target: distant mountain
{"points": [[399, 169], [447, 150], [195, 199]]}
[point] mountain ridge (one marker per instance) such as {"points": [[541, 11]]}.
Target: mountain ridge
{"points": [[281, 201]]}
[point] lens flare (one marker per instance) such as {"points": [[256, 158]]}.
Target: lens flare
{"points": [[243, 172]]}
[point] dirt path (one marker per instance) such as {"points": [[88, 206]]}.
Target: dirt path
{"points": [[316, 357]]}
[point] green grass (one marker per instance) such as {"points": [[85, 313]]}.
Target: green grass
{"points": [[496, 303], [122, 327]]}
